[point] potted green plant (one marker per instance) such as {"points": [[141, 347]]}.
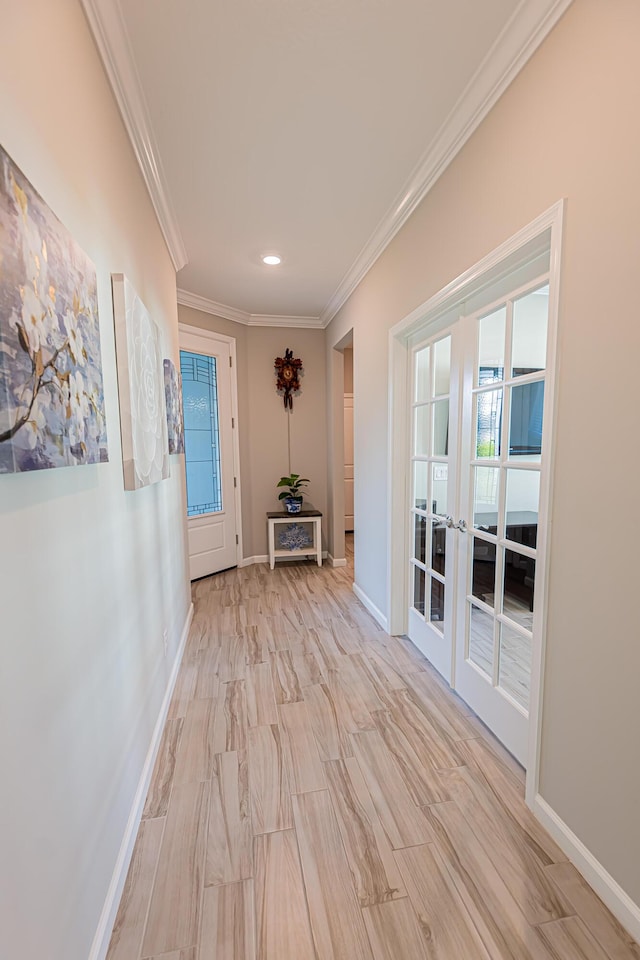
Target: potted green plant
{"points": [[292, 496]]}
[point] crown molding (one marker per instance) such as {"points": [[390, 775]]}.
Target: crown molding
{"points": [[517, 42], [197, 302], [521, 36], [269, 320], [106, 24]]}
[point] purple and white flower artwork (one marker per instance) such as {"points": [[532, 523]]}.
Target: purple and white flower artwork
{"points": [[173, 399], [51, 391]]}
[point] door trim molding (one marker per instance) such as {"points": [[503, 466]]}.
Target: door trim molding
{"points": [[185, 328], [545, 232]]}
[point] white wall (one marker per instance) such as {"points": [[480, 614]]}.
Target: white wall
{"points": [[90, 576], [564, 128]]}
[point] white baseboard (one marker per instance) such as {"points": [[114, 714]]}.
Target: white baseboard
{"points": [[248, 561], [371, 607], [608, 889], [102, 937], [333, 562]]}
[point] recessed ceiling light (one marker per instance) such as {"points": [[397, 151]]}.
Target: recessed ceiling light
{"points": [[271, 261]]}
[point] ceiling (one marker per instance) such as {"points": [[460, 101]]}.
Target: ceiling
{"points": [[306, 128]]}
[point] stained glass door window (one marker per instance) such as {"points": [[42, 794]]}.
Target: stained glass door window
{"points": [[201, 433]]}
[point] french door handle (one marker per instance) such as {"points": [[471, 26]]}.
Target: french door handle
{"points": [[461, 525], [447, 520]]}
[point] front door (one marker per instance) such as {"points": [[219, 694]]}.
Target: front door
{"points": [[209, 454]]}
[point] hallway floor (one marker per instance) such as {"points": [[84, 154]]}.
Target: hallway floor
{"points": [[320, 794]]}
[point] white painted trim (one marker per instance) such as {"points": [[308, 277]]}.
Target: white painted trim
{"points": [[206, 334], [398, 481], [517, 42], [608, 889], [267, 320], [110, 35], [187, 299], [190, 331], [454, 292], [236, 451], [369, 605], [333, 562], [248, 561], [549, 428], [102, 936]]}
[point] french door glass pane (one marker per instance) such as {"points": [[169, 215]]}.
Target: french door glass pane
{"points": [[418, 589], [201, 433], [481, 639], [523, 496], [485, 498], [519, 577], [420, 538], [515, 664], [421, 445], [440, 428], [442, 366], [439, 492], [529, 341], [422, 374], [491, 346], [421, 474], [483, 571], [488, 423], [436, 613], [525, 426], [438, 546]]}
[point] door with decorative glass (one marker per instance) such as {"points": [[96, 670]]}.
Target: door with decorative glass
{"points": [[205, 365], [433, 472]]}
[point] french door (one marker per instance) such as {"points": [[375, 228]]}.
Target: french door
{"points": [[476, 508], [435, 416], [205, 365]]}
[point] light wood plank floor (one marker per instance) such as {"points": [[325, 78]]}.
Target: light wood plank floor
{"points": [[320, 794]]}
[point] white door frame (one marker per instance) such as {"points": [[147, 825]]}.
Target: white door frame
{"points": [[212, 336], [541, 235], [348, 399]]}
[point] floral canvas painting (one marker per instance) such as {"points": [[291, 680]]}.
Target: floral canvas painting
{"points": [[173, 399], [143, 418], [51, 392]]}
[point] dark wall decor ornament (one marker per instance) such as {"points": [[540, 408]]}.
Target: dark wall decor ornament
{"points": [[288, 372]]}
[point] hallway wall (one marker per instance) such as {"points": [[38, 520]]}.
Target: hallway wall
{"points": [[90, 576], [564, 128]]}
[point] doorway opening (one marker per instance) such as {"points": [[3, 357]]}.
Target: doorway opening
{"points": [[349, 502], [342, 454]]}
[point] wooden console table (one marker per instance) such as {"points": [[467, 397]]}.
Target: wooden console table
{"points": [[314, 517]]}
